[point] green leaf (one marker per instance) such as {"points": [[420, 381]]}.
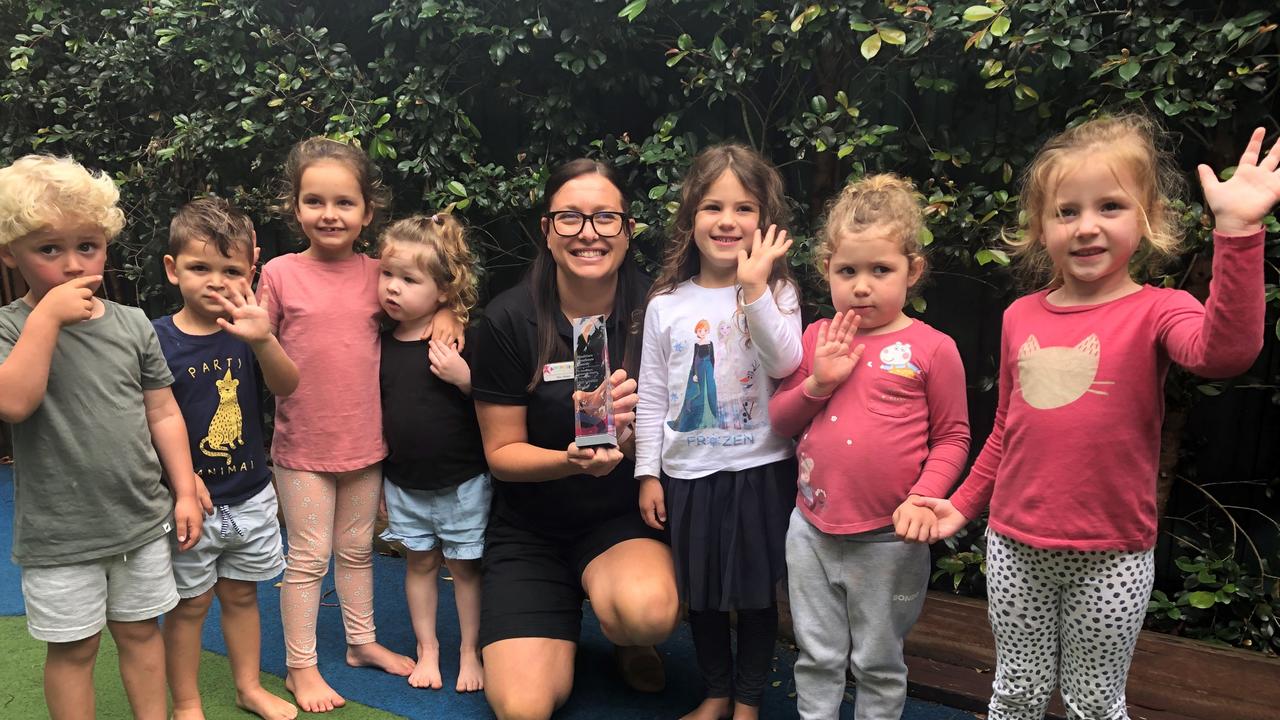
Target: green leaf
{"points": [[456, 188], [1061, 59], [657, 191], [818, 104], [891, 35], [632, 10], [1210, 390], [918, 304], [1129, 69], [1000, 26], [870, 46], [926, 237], [978, 13], [1164, 47], [1201, 599]]}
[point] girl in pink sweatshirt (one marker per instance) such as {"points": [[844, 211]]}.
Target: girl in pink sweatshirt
{"points": [[1069, 470], [879, 405]]}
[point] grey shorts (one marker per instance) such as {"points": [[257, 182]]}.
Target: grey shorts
{"points": [[454, 517], [66, 603], [237, 542]]}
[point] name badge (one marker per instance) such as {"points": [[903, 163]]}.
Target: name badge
{"points": [[557, 371]]}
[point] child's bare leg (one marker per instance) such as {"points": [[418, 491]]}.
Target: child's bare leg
{"points": [[181, 632], [466, 592], [242, 631], [68, 678], [423, 594], [141, 650]]}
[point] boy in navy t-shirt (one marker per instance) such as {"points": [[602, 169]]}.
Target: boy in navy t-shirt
{"points": [[215, 346]]}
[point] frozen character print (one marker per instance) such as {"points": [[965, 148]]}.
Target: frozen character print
{"points": [[813, 499], [1051, 377], [896, 358], [700, 407]]}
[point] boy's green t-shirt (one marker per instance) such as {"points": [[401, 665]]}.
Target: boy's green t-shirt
{"points": [[87, 481]]}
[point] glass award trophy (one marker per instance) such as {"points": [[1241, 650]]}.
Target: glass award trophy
{"points": [[592, 394]]}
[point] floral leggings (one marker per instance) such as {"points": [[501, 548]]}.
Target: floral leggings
{"points": [[327, 514], [1077, 612]]}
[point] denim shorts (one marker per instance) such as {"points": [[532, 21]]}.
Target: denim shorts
{"points": [[66, 603], [237, 542], [453, 518]]}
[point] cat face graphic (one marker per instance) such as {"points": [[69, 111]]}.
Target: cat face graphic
{"points": [[1052, 377]]}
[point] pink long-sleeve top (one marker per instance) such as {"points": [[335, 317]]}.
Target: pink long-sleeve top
{"points": [[326, 316], [1072, 460], [898, 426]]}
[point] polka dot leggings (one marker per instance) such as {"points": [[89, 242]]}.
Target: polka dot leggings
{"points": [[1078, 611]]}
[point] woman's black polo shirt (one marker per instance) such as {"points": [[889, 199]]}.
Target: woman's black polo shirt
{"points": [[504, 355]]}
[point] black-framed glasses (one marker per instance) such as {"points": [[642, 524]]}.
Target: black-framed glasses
{"points": [[606, 223]]}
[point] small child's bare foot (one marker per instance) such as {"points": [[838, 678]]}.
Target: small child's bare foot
{"points": [[263, 704], [426, 674], [188, 713], [711, 709], [470, 672], [742, 711], [310, 690], [376, 656]]}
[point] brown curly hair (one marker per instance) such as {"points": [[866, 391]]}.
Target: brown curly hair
{"points": [[885, 200], [439, 246]]}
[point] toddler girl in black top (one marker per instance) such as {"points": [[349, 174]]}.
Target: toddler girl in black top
{"points": [[437, 490]]}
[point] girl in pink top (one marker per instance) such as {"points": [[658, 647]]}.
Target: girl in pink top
{"points": [[328, 445], [879, 405], [1069, 469]]}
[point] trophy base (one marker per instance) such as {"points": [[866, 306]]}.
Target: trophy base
{"points": [[601, 440]]}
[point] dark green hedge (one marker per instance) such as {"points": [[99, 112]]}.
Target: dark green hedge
{"points": [[465, 104]]}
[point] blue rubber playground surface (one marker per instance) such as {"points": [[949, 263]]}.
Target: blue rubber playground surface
{"points": [[598, 690]]}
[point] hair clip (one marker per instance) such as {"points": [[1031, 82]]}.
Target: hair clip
{"points": [[437, 219]]}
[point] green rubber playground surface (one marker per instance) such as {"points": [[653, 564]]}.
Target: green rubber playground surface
{"points": [[22, 695]]}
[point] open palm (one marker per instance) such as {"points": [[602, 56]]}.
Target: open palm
{"points": [[1240, 203], [833, 361]]}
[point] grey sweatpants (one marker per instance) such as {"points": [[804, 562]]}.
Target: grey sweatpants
{"points": [[853, 603]]}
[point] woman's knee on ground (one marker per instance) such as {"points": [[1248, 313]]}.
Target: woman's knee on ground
{"points": [[645, 611], [521, 701]]}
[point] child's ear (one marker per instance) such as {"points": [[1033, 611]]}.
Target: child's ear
{"points": [[171, 269], [915, 271], [6, 256]]}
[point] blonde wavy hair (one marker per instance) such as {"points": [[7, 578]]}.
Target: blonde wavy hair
{"points": [[39, 190], [1131, 143], [885, 200], [439, 246]]}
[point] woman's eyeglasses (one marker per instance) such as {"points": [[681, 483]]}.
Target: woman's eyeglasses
{"points": [[606, 223]]}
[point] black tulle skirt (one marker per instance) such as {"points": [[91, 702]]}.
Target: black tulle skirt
{"points": [[728, 535]]}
